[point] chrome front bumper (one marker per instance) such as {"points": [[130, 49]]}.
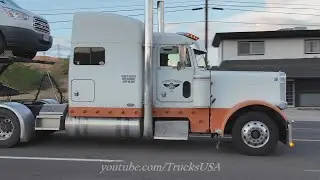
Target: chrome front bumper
{"points": [[290, 142]]}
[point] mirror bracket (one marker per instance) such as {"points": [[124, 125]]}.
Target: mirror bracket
{"points": [[182, 55]]}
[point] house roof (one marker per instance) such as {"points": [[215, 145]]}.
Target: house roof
{"points": [[264, 35], [294, 68]]}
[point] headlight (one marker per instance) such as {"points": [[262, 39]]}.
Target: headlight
{"points": [[16, 14]]}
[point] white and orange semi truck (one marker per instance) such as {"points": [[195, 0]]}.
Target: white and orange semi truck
{"points": [[125, 80]]}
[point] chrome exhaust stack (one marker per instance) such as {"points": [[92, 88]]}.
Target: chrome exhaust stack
{"points": [[160, 9], [148, 74]]}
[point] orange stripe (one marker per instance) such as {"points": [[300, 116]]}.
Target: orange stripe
{"points": [[105, 112], [199, 118], [220, 117]]}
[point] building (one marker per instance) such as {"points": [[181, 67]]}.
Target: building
{"points": [[295, 52]]}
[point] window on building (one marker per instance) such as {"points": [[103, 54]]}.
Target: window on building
{"points": [[170, 56], [89, 56], [251, 48], [312, 46]]}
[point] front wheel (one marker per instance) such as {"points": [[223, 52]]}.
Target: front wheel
{"points": [[254, 133]]}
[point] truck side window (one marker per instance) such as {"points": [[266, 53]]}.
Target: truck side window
{"points": [[89, 56], [169, 57]]}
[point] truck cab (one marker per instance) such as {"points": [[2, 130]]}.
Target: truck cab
{"points": [[107, 78]]}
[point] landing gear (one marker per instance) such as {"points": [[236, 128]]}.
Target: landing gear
{"points": [[254, 133]]}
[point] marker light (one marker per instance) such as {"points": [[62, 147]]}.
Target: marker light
{"points": [[191, 36], [291, 144]]}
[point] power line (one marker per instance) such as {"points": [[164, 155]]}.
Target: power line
{"points": [[71, 13], [242, 22], [275, 12], [122, 10], [107, 7], [232, 9], [274, 7], [134, 15], [270, 3], [228, 1], [230, 22]]}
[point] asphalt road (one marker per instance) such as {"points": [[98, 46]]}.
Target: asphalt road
{"points": [[61, 157]]}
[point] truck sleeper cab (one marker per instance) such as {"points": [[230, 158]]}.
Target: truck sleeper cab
{"points": [[106, 94], [22, 32]]}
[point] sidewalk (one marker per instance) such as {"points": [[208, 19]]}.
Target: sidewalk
{"points": [[299, 114]]}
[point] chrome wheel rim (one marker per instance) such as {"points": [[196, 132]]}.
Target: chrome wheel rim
{"points": [[255, 134], [6, 128]]}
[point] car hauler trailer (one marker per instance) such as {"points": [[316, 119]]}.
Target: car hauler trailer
{"points": [[127, 81]]}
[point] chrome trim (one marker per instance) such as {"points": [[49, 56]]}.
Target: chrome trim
{"points": [[252, 141], [41, 25], [283, 105], [102, 127], [289, 132], [148, 74], [160, 5]]}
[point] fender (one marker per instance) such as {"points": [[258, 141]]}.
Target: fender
{"points": [[26, 119], [219, 124], [47, 101]]}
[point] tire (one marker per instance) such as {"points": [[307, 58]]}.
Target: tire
{"points": [[245, 134], [24, 54], [16, 131]]}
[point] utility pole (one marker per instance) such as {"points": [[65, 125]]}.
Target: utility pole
{"points": [[206, 30], [59, 51]]}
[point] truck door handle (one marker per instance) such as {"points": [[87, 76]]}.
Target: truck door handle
{"points": [[76, 94], [164, 94]]}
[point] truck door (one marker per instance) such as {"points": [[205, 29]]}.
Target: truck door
{"points": [[174, 78]]}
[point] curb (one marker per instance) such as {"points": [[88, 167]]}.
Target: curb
{"points": [[313, 109]]}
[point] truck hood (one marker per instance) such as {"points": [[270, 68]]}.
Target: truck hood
{"points": [[233, 87]]}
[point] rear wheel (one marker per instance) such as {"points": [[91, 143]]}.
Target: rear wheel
{"points": [[9, 129], [24, 53], [254, 133]]}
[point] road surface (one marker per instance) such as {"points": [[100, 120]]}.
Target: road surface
{"points": [[63, 157]]}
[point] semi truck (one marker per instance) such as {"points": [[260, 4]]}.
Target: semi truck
{"points": [[128, 81]]}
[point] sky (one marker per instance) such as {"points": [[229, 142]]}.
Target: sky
{"points": [[236, 16]]}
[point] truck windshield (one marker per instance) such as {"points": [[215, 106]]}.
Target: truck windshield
{"points": [[12, 3]]}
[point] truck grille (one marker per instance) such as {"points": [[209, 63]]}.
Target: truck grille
{"points": [[41, 25]]}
